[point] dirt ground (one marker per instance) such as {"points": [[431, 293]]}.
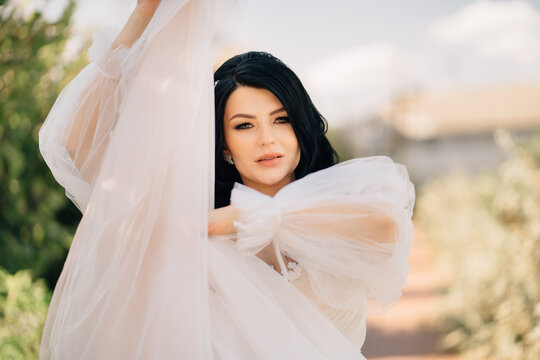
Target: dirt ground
{"points": [[407, 331]]}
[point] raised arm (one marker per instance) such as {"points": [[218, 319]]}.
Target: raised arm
{"points": [[74, 137], [137, 22], [85, 144]]}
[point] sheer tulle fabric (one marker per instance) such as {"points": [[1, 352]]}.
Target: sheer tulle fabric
{"points": [[137, 124], [131, 140], [348, 226]]}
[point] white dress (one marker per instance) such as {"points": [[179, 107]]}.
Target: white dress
{"points": [[142, 279]]}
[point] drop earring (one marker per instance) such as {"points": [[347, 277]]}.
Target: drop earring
{"points": [[228, 158]]}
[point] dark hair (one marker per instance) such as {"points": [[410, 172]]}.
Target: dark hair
{"points": [[262, 70]]}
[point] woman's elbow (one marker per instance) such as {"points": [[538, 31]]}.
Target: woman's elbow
{"points": [[385, 229]]}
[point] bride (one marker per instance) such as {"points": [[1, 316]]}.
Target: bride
{"points": [[216, 224]]}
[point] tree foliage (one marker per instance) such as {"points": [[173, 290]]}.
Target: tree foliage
{"points": [[23, 310], [486, 233], [36, 220]]}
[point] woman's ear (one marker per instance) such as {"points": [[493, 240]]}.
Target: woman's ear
{"points": [[227, 154]]}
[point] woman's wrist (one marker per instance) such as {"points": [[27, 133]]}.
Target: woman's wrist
{"points": [[221, 220], [146, 12], [133, 29]]}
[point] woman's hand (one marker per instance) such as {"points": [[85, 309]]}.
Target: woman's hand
{"points": [[221, 221]]}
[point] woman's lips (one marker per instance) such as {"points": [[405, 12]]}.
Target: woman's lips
{"points": [[269, 159]]}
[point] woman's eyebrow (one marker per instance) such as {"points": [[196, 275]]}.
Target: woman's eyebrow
{"points": [[277, 111], [253, 116]]}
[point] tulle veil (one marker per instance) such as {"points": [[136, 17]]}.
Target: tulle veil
{"points": [[141, 246]]}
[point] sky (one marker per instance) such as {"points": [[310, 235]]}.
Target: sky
{"points": [[354, 56]]}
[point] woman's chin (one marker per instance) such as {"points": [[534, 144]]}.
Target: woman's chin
{"points": [[270, 182], [275, 184]]}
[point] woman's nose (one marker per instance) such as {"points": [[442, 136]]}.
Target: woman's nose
{"points": [[267, 135]]}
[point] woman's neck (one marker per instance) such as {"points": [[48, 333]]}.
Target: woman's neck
{"points": [[269, 190]]}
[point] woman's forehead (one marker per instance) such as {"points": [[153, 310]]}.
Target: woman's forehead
{"points": [[251, 101]]}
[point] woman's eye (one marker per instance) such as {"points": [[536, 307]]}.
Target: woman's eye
{"points": [[282, 120], [243, 126]]}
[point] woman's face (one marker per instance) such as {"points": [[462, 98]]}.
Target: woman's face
{"points": [[260, 139]]}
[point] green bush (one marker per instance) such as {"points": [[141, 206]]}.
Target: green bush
{"points": [[36, 219], [485, 231], [23, 310]]}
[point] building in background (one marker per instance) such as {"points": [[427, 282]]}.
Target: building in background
{"points": [[433, 133]]}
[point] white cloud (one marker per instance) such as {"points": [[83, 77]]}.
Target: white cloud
{"points": [[352, 84], [494, 30]]}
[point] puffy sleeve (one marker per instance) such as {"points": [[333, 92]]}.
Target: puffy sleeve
{"points": [[348, 226], [75, 134]]}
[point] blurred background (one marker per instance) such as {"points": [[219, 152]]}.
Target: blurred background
{"points": [[450, 88]]}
